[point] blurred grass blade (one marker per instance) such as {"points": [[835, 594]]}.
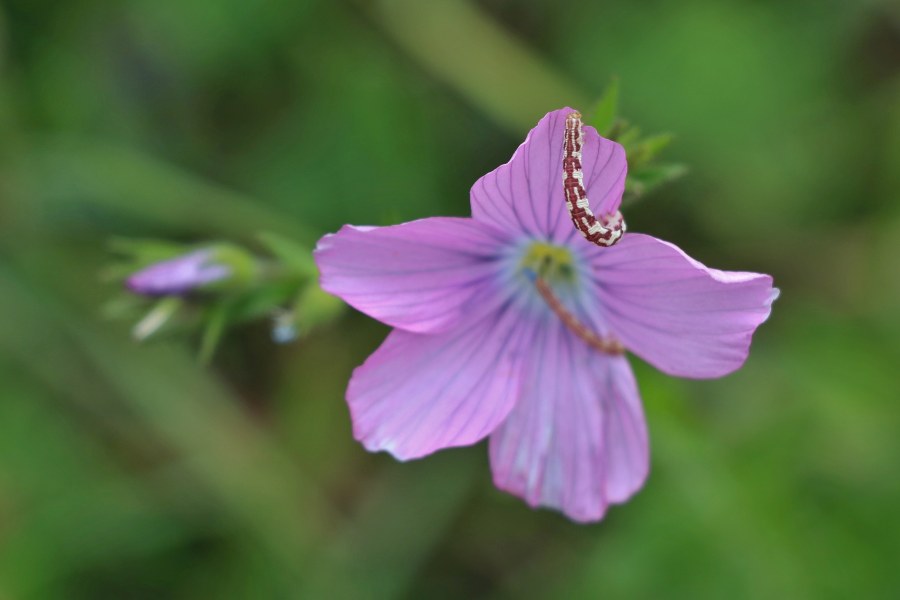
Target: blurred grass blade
{"points": [[365, 559], [492, 69], [72, 176], [190, 412]]}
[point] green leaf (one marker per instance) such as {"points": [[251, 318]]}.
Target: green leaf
{"points": [[629, 138], [646, 149], [644, 179], [216, 322], [603, 115], [261, 301], [295, 255]]}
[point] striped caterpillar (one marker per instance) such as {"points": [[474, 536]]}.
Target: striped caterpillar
{"points": [[605, 231]]}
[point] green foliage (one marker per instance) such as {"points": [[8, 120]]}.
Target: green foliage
{"points": [[131, 470], [645, 174], [606, 109], [283, 287]]}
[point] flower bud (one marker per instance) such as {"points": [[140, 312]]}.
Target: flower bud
{"points": [[179, 275]]}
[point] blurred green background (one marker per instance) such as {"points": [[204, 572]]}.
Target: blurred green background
{"points": [[129, 471]]}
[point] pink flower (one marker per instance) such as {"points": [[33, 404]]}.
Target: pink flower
{"points": [[478, 351]]}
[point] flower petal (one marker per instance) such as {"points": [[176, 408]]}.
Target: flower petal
{"points": [[680, 316], [419, 393], [416, 276], [526, 194], [576, 440]]}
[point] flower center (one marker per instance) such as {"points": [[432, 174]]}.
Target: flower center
{"points": [[548, 266], [551, 263]]}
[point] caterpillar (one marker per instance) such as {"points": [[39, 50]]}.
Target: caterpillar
{"points": [[605, 231], [606, 345]]}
